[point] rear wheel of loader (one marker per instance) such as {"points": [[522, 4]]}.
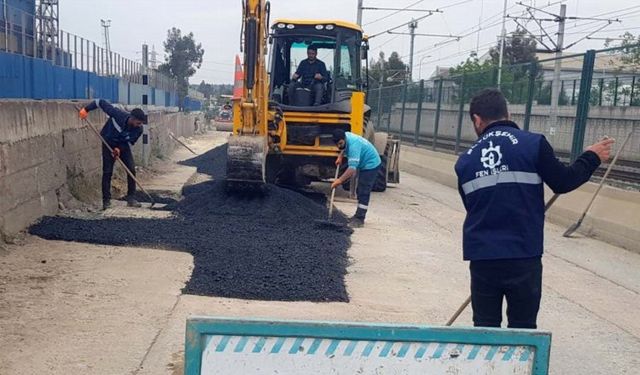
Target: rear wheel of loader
{"points": [[246, 157]]}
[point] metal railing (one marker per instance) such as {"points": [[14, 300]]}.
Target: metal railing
{"points": [[18, 35], [599, 95]]}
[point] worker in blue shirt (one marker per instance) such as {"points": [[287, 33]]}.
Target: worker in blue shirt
{"points": [[121, 131], [500, 180], [362, 157], [312, 73]]}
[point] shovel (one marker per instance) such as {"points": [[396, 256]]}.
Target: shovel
{"points": [[575, 226], [330, 224]]}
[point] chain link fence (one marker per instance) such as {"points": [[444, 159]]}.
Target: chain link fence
{"points": [[596, 94]]}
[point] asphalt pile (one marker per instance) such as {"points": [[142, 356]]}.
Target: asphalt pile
{"points": [[264, 247]]}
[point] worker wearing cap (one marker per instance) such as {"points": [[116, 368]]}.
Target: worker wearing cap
{"points": [[500, 180], [362, 157], [121, 131]]}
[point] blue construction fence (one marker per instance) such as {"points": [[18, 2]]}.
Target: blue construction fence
{"points": [[24, 77]]}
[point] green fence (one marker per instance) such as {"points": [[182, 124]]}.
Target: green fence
{"points": [[596, 94]]}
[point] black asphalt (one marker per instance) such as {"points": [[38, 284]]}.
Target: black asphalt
{"points": [[264, 247]]}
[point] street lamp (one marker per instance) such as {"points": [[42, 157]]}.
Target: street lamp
{"points": [[420, 66]]}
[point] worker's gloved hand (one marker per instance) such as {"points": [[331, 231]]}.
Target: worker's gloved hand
{"points": [[83, 114], [602, 148], [116, 153], [335, 184]]}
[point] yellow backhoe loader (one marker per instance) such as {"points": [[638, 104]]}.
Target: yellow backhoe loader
{"points": [[279, 136]]}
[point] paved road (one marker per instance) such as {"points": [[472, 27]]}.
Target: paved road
{"points": [[110, 310]]}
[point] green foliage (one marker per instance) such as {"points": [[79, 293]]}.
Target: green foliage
{"points": [[519, 58], [184, 58], [213, 90], [385, 81]]}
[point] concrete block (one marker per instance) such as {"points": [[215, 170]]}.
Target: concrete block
{"points": [[30, 152], [19, 218]]}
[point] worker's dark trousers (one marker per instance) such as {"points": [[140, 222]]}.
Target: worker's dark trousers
{"points": [[366, 179], [518, 280], [107, 171], [316, 87]]}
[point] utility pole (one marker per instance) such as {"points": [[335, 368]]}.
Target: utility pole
{"points": [[556, 46], [557, 69], [359, 17], [154, 57], [412, 30], [502, 40], [107, 44]]}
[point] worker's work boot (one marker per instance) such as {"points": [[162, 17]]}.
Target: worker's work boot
{"points": [[132, 202], [356, 222], [106, 204]]}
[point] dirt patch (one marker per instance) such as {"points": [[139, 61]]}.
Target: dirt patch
{"points": [[263, 247]]}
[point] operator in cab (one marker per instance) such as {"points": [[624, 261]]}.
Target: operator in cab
{"points": [[312, 73]]}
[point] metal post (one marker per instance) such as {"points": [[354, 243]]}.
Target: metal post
{"points": [[419, 113], [533, 72], [95, 63], [573, 93], [412, 30], [582, 112], [601, 84], [389, 121], [557, 70], [436, 122], [68, 49], [633, 87], [460, 116], [502, 40], [75, 51], [404, 106], [615, 92], [23, 27], [359, 13], [379, 109], [6, 26]]}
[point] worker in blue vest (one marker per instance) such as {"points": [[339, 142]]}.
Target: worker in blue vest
{"points": [[362, 157], [121, 131], [500, 180]]}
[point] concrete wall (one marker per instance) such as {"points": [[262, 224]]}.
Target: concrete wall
{"points": [[614, 217], [47, 155], [616, 122]]}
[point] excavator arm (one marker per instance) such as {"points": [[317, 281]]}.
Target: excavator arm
{"points": [[248, 144]]}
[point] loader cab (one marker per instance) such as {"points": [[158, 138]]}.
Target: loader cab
{"points": [[340, 46]]}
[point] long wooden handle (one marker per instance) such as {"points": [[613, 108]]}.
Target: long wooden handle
{"points": [[606, 174], [459, 311], [333, 193], [104, 142]]}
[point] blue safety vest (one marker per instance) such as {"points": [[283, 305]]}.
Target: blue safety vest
{"points": [[503, 194]]}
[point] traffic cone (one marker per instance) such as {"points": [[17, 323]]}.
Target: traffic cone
{"points": [[238, 80]]}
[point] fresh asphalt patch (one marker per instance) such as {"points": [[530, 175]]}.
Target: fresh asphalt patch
{"points": [[263, 247]]}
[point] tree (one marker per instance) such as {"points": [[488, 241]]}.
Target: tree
{"points": [[183, 58], [392, 72], [519, 52]]}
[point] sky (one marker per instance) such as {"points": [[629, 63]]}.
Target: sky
{"points": [[216, 24]]}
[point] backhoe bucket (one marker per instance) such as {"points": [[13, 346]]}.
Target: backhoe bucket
{"points": [[246, 157]]}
